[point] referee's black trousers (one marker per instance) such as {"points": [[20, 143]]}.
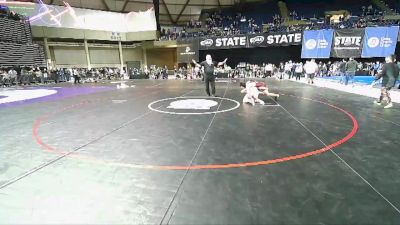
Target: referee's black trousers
{"points": [[210, 81]]}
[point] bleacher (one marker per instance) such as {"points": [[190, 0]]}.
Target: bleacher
{"points": [[311, 9], [393, 4], [261, 13], [15, 31], [16, 54], [308, 9], [293, 15], [39, 59], [16, 47]]}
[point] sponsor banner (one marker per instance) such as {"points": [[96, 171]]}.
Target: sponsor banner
{"points": [[187, 51], [275, 39], [380, 41], [251, 41], [348, 43], [317, 44], [239, 41]]}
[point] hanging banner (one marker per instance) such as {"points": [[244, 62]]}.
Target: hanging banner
{"points": [[276, 39], [348, 43], [251, 41], [239, 41], [317, 44], [380, 41], [187, 51]]}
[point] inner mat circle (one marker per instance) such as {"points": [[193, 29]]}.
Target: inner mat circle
{"points": [[199, 105]]}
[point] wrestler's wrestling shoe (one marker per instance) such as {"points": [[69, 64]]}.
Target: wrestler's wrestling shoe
{"points": [[376, 102], [261, 102], [390, 105]]}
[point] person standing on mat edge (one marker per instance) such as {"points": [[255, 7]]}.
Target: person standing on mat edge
{"points": [[389, 75], [311, 69], [209, 78], [351, 69]]}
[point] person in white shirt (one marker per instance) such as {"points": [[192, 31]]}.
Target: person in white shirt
{"points": [[76, 76], [38, 75], [311, 68], [13, 76], [268, 70], [45, 75], [288, 69], [3, 77], [197, 72], [298, 70], [124, 75]]}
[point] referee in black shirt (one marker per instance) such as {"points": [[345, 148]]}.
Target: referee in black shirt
{"points": [[209, 77]]}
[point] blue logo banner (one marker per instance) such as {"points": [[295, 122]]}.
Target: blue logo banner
{"points": [[380, 41], [317, 44]]}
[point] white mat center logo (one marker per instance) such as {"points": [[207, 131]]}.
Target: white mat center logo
{"points": [[195, 104]]}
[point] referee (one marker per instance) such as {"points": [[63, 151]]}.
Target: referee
{"points": [[209, 77], [389, 75]]}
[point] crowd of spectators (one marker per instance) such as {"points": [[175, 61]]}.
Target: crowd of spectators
{"points": [[152, 72], [158, 72], [289, 69], [345, 69], [41, 75], [22, 76], [218, 24], [284, 70], [5, 12]]}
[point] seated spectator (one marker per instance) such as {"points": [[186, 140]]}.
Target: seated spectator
{"points": [[4, 11]]}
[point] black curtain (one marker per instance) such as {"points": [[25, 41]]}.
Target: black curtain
{"points": [[255, 55]]}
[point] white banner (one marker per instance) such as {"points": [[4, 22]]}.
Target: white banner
{"points": [[77, 18]]}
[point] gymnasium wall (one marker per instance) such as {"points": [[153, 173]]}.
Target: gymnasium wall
{"points": [[162, 57], [104, 56], [69, 56], [135, 54]]}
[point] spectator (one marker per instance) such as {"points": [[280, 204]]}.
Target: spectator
{"points": [[311, 69], [298, 70], [389, 75], [350, 68]]}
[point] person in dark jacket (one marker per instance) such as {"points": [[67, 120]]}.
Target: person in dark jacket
{"points": [[351, 69], [389, 75], [209, 77], [342, 71], [398, 65]]}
